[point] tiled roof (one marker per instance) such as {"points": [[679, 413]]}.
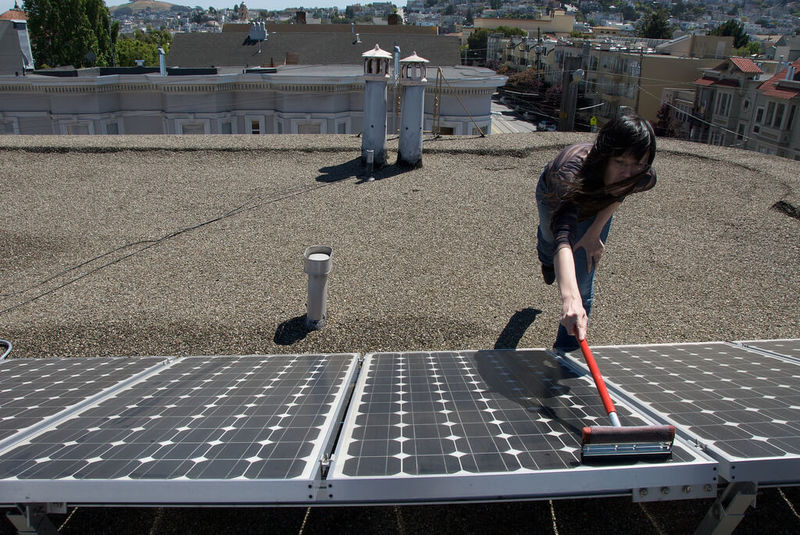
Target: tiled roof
{"points": [[746, 65], [725, 82], [770, 87], [14, 14]]}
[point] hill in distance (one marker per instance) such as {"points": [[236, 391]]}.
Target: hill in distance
{"points": [[136, 6]]}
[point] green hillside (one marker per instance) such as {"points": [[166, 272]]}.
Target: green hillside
{"points": [[141, 5]]}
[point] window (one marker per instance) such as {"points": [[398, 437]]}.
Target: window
{"points": [[112, 129], [723, 103], [776, 122], [770, 113], [226, 128], [740, 133], [791, 118], [759, 115], [8, 127], [254, 124], [192, 129], [309, 128], [78, 129]]}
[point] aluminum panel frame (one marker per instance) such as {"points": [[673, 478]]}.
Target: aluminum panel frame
{"points": [[652, 481]]}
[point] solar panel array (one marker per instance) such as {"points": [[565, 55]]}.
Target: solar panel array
{"points": [[740, 402], [431, 425], [199, 418], [469, 412]]}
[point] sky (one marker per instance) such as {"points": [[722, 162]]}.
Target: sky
{"points": [[5, 5]]}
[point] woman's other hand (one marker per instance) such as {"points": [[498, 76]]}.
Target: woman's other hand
{"points": [[594, 248]]}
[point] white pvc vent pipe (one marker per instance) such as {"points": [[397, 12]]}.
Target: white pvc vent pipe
{"points": [[317, 262]]}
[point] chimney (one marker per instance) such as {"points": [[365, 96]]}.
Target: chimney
{"points": [[300, 17], [412, 78], [258, 32], [373, 129]]}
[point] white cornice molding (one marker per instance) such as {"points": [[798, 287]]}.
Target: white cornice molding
{"points": [[224, 83]]}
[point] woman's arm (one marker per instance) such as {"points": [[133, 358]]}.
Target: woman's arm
{"points": [[573, 315], [590, 241]]}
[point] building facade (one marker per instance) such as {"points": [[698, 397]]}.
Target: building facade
{"points": [[292, 99], [737, 104]]}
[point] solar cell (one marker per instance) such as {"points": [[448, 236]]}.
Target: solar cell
{"points": [[456, 415], [251, 418], [742, 405], [32, 390]]}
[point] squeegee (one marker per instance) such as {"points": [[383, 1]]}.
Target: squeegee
{"points": [[617, 442]]}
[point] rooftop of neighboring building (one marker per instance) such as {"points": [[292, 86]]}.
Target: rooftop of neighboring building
{"points": [[237, 49]]}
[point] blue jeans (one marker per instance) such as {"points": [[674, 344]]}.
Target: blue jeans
{"points": [[545, 247]]}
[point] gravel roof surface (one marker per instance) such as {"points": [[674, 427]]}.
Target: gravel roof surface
{"points": [[193, 245]]}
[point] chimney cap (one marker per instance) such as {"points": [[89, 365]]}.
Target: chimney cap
{"points": [[376, 53], [414, 58]]}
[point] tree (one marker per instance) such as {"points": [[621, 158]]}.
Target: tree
{"points": [[655, 25], [69, 32], [752, 48], [143, 46], [734, 29], [495, 4], [629, 12]]}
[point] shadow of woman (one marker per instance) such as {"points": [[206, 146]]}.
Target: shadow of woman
{"points": [[516, 327]]}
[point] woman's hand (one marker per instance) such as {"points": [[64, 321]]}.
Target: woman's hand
{"points": [[573, 317], [594, 248]]}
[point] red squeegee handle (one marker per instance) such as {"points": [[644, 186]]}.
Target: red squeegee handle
{"points": [[598, 379]]}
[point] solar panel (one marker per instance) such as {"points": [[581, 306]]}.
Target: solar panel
{"points": [[741, 405], [33, 390], [787, 348], [174, 436], [482, 424]]}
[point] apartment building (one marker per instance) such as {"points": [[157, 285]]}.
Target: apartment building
{"points": [[724, 102], [773, 127], [629, 75], [737, 104]]}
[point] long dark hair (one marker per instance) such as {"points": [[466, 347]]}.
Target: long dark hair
{"points": [[627, 134]]}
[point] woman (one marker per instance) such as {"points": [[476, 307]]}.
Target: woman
{"points": [[577, 195]]}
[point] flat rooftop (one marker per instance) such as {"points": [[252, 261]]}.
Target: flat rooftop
{"points": [[193, 245]]}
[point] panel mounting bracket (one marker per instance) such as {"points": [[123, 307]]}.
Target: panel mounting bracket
{"points": [[32, 518], [728, 510]]}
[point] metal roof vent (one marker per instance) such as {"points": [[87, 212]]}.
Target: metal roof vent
{"points": [[317, 262], [258, 32]]}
